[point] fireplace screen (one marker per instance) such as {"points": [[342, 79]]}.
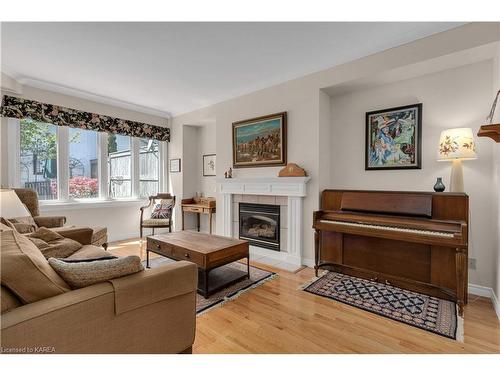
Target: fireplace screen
{"points": [[260, 225]]}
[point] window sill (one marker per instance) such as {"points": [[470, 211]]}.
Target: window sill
{"points": [[47, 206]]}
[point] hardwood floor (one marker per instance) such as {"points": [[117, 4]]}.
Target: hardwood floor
{"points": [[277, 317]]}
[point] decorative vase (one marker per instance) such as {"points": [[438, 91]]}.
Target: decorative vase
{"points": [[439, 186]]}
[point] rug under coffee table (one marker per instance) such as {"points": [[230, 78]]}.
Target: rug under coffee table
{"points": [[209, 252]]}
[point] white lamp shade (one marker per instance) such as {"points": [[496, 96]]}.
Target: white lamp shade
{"points": [[457, 144], [11, 206]]}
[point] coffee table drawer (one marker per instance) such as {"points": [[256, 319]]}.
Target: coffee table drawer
{"points": [[160, 247], [184, 254]]}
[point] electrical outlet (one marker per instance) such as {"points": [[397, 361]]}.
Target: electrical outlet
{"points": [[472, 263]]}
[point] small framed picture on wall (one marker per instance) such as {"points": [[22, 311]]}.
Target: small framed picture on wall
{"points": [[209, 165], [175, 165]]}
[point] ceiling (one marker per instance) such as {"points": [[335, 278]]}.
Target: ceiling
{"points": [[173, 68]]}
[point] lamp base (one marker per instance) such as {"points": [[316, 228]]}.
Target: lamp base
{"points": [[457, 177]]}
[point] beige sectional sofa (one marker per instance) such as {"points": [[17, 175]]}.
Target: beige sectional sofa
{"points": [[152, 311]]}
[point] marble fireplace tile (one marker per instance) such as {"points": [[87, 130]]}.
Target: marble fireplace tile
{"points": [[283, 217], [266, 199], [248, 198], [282, 201], [237, 197], [236, 212], [283, 239]]}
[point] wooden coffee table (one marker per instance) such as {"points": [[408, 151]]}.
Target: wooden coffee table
{"points": [[207, 251]]}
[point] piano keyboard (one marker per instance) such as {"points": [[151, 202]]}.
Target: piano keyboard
{"points": [[389, 228]]}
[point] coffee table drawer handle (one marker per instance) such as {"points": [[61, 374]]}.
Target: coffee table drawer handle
{"points": [[186, 255], [157, 245]]}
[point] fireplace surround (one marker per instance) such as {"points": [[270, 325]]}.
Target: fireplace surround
{"points": [[260, 224], [293, 189]]}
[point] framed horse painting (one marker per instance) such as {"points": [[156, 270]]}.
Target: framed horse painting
{"points": [[260, 142]]}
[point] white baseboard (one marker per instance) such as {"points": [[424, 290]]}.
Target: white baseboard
{"points": [[484, 291]]}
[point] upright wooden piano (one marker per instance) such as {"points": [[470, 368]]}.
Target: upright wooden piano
{"points": [[413, 240]]}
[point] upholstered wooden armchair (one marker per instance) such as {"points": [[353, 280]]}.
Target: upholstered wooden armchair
{"points": [[161, 206]]}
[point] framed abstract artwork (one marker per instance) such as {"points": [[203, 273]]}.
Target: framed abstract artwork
{"points": [[394, 138], [209, 165], [175, 165], [260, 142]]}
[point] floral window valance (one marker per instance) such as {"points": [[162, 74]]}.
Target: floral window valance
{"points": [[15, 107]]}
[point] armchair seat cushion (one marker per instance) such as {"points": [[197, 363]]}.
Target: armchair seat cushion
{"points": [[155, 222]]}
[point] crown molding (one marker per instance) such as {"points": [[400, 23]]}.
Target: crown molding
{"points": [[65, 90]]}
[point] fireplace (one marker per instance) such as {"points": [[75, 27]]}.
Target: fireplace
{"points": [[260, 225]]}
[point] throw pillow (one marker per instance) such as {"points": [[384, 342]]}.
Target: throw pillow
{"points": [[61, 248], [25, 271], [52, 244], [46, 234], [82, 274], [24, 224], [161, 210]]}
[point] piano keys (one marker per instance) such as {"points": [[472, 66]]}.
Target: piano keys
{"points": [[414, 240]]}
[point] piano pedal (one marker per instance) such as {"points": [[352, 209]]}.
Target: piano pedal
{"points": [[374, 279], [387, 282]]}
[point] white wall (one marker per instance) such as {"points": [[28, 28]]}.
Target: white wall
{"points": [[458, 97], [496, 177]]}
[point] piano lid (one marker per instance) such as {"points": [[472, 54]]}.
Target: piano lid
{"points": [[391, 203]]}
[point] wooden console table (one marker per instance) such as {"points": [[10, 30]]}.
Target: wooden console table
{"points": [[205, 206]]}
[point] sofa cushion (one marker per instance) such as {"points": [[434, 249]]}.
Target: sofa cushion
{"points": [[85, 273], [25, 271], [61, 248], [46, 234], [8, 300], [89, 252], [41, 244]]}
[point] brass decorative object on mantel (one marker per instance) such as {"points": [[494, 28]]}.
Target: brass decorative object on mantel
{"points": [[492, 130], [292, 170]]}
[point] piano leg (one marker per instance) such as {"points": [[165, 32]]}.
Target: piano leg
{"points": [[316, 251], [461, 269]]}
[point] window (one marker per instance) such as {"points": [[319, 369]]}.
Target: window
{"points": [[63, 163], [120, 166], [148, 167], [82, 154], [38, 158]]}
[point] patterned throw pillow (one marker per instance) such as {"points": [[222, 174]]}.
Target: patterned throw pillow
{"points": [[161, 210]]}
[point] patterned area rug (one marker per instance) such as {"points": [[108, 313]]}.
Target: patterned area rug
{"points": [[257, 277], [418, 310]]}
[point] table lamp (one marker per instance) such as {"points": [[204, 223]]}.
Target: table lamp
{"points": [[11, 206], [457, 145]]}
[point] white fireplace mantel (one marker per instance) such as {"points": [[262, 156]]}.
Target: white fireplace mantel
{"points": [[292, 187], [284, 186]]}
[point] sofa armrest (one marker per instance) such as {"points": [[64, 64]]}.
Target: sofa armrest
{"points": [[50, 221], [79, 234], [156, 284], [84, 320]]}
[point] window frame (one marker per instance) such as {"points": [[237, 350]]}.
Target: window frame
{"points": [[13, 129]]}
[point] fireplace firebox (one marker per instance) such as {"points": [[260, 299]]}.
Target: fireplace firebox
{"points": [[260, 225]]}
